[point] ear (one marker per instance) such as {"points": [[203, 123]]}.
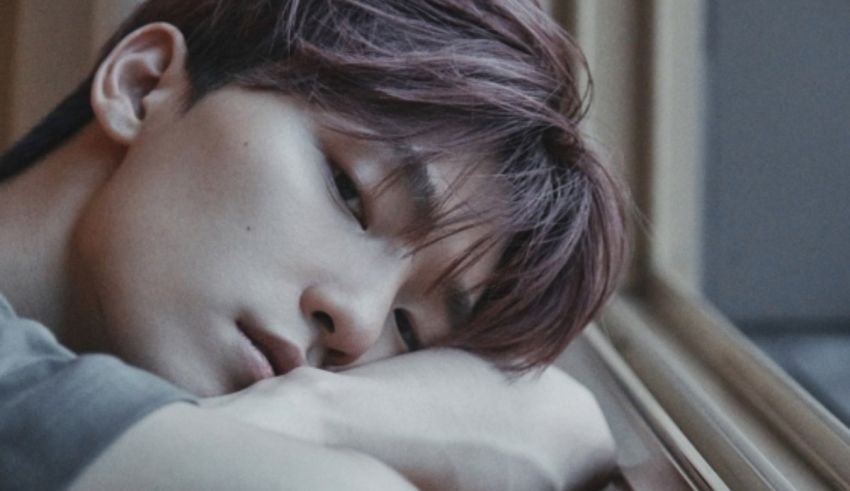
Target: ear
{"points": [[144, 71]]}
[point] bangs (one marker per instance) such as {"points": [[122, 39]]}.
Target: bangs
{"points": [[562, 262]]}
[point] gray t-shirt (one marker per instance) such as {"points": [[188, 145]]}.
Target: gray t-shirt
{"points": [[58, 411]]}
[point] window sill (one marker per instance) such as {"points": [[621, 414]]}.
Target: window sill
{"points": [[722, 412]]}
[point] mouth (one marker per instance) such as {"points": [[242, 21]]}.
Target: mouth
{"points": [[269, 355]]}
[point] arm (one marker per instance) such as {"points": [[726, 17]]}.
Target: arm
{"points": [[182, 446], [444, 419], [480, 430], [64, 419]]}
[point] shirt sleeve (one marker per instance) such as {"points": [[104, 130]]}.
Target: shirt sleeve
{"points": [[59, 411]]}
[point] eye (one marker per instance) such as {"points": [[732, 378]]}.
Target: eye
{"points": [[350, 196], [405, 331]]}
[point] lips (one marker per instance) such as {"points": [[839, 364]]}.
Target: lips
{"points": [[278, 355]]}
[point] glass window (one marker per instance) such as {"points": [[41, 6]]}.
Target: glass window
{"points": [[776, 259]]}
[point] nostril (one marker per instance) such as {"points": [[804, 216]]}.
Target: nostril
{"points": [[334, 359], [325, 321]]}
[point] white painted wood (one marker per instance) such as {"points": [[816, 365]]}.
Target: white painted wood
{"points": [[678, 134]]}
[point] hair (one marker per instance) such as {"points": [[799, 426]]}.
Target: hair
{"points": [[499, 76]]}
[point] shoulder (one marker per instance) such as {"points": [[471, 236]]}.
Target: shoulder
{"points": [[6, 310], [24, 340]]}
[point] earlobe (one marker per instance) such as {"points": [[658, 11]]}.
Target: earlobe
{"points": [[146, 69]]}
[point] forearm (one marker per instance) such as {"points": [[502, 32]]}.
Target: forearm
{"points": [[185, 447], [443, 418], [459, 425]]}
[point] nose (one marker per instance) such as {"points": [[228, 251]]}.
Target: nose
{"points": [[348, 322]]}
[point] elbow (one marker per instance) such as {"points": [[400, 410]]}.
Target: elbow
{"points": [[582, 446]]}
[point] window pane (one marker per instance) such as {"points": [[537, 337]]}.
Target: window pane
{"points": [[777, 215]]}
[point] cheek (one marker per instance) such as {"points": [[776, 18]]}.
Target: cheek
{"points": [[161, 234], [166, 272], [158, 242]]}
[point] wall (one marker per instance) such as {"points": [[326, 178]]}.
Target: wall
{"points": [[8, 9], [46, 48]]}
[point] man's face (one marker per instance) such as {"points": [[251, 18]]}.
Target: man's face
{"points": [[245, 238]]}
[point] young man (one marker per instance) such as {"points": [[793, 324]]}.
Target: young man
{"points": [[246, 192]]}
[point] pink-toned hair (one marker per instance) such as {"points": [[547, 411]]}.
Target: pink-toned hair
{"points": [[494, 78]]}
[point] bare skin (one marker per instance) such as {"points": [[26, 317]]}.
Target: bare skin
{"points": [[183, 242]]}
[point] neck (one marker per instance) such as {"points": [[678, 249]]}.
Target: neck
{"points": [[38, 213]]}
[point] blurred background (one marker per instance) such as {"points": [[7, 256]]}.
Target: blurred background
{"points": [[776, 250]]}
